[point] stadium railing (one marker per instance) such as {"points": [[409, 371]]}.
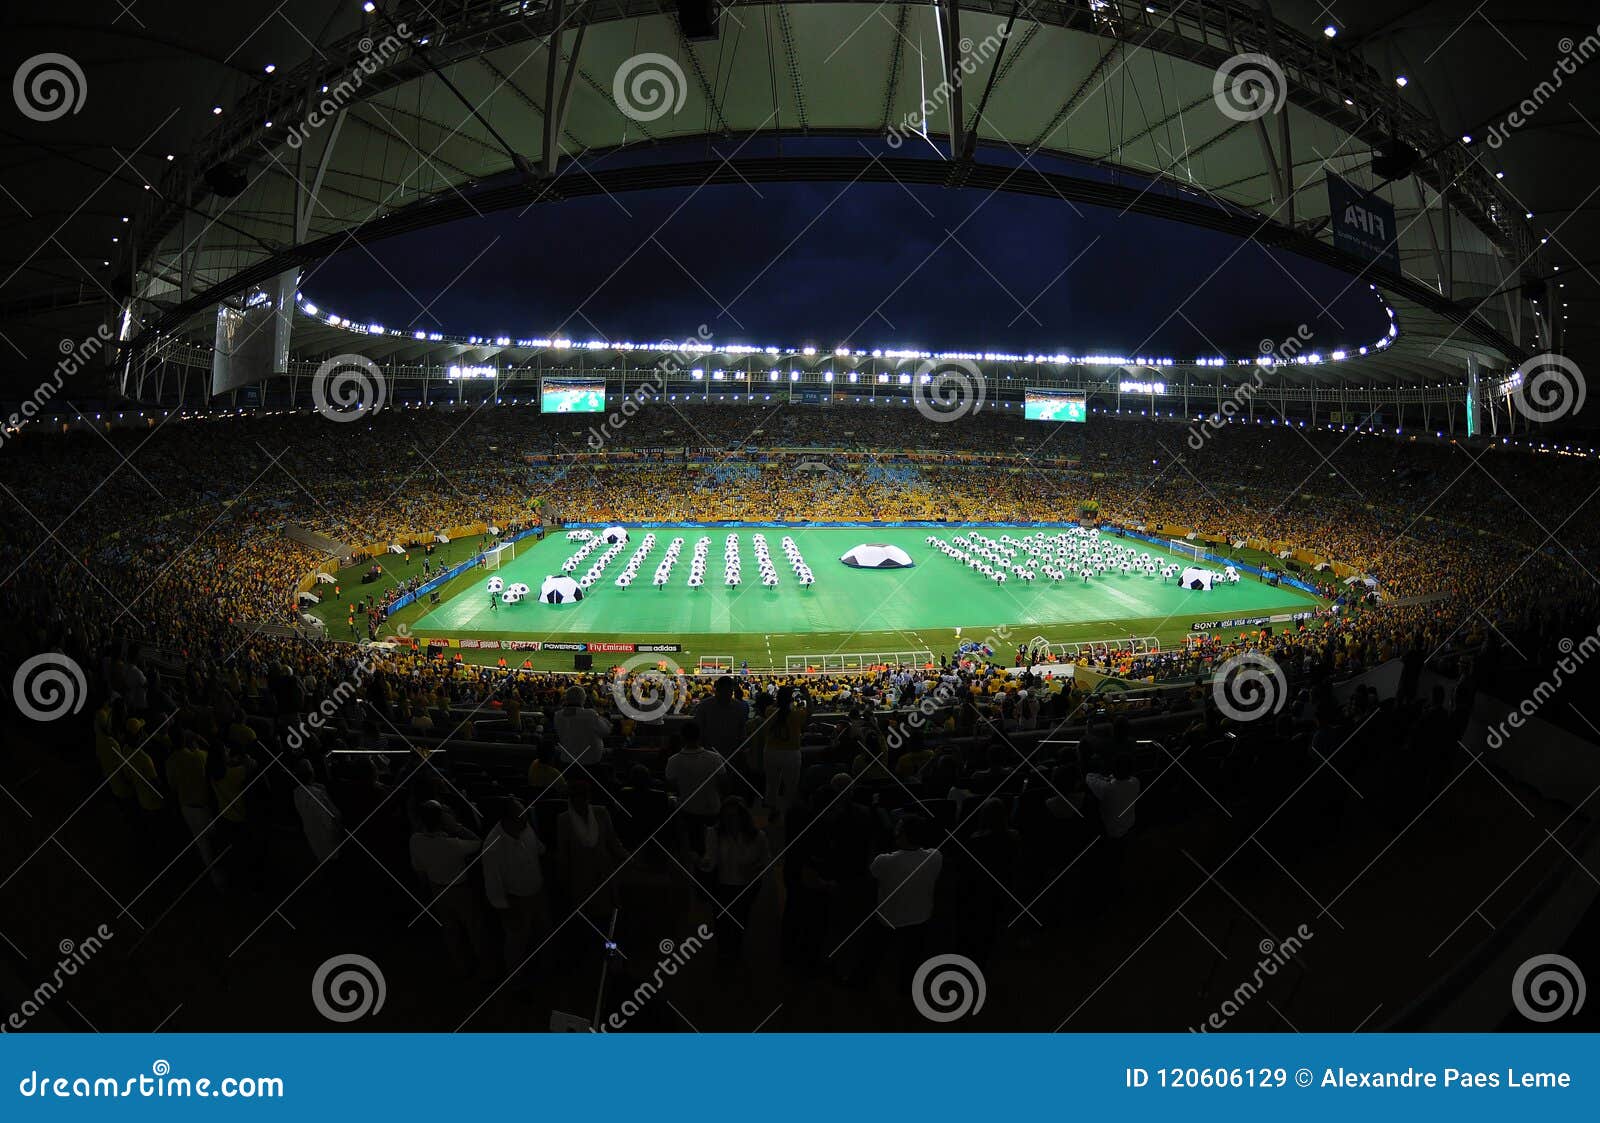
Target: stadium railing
{"points": [[855, 661]]}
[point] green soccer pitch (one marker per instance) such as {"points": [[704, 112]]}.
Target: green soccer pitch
{"points": [[846, 611]]}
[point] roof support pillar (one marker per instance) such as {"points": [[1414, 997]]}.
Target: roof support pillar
{"points": [[1439, 263], [950, 42], [555, 104], [306, 194], [1285, 165]]}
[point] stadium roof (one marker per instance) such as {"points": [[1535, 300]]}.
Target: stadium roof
{"points": [[190, 171]]}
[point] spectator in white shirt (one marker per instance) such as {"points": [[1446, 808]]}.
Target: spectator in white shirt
{"points": [[581, 731], [1116, 790], [736, 856], [440, 859], [907, 878], [513, 878], [319, 817], [695, 773]]}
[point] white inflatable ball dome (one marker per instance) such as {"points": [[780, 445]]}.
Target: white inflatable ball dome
{"points": [[874, 555], [560, 590]]}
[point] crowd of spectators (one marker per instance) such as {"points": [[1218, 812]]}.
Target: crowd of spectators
{"points": [[154, 560]]}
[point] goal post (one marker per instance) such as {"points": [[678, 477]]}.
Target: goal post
{"points": [[496, 556], [1187, 549]]}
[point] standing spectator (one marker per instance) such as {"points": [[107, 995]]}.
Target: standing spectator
{"points": [[229, 772], [723, 718], [907, 878], [580, 731], [736, 855], [440, 851], [781, 758], [186, 776], [590, 853], [319, 817], [696, 774], [993, 851], [543, 773], [1116, 790], [513, 878]]}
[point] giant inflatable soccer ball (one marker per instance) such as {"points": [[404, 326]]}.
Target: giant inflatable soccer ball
{"points": [[1195, 577], [560, 590], [872, 555]]}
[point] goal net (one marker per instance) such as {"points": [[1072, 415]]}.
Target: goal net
{"points": [[1187, 549], [496, 556]]}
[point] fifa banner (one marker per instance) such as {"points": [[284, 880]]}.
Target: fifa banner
{"points": [[1363, 224], [252, 340]]}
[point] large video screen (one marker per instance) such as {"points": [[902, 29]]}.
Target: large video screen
{"points": [[572, 395], [1053, 405]]}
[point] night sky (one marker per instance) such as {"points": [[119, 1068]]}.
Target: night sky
{"points": [[865, 264]]}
